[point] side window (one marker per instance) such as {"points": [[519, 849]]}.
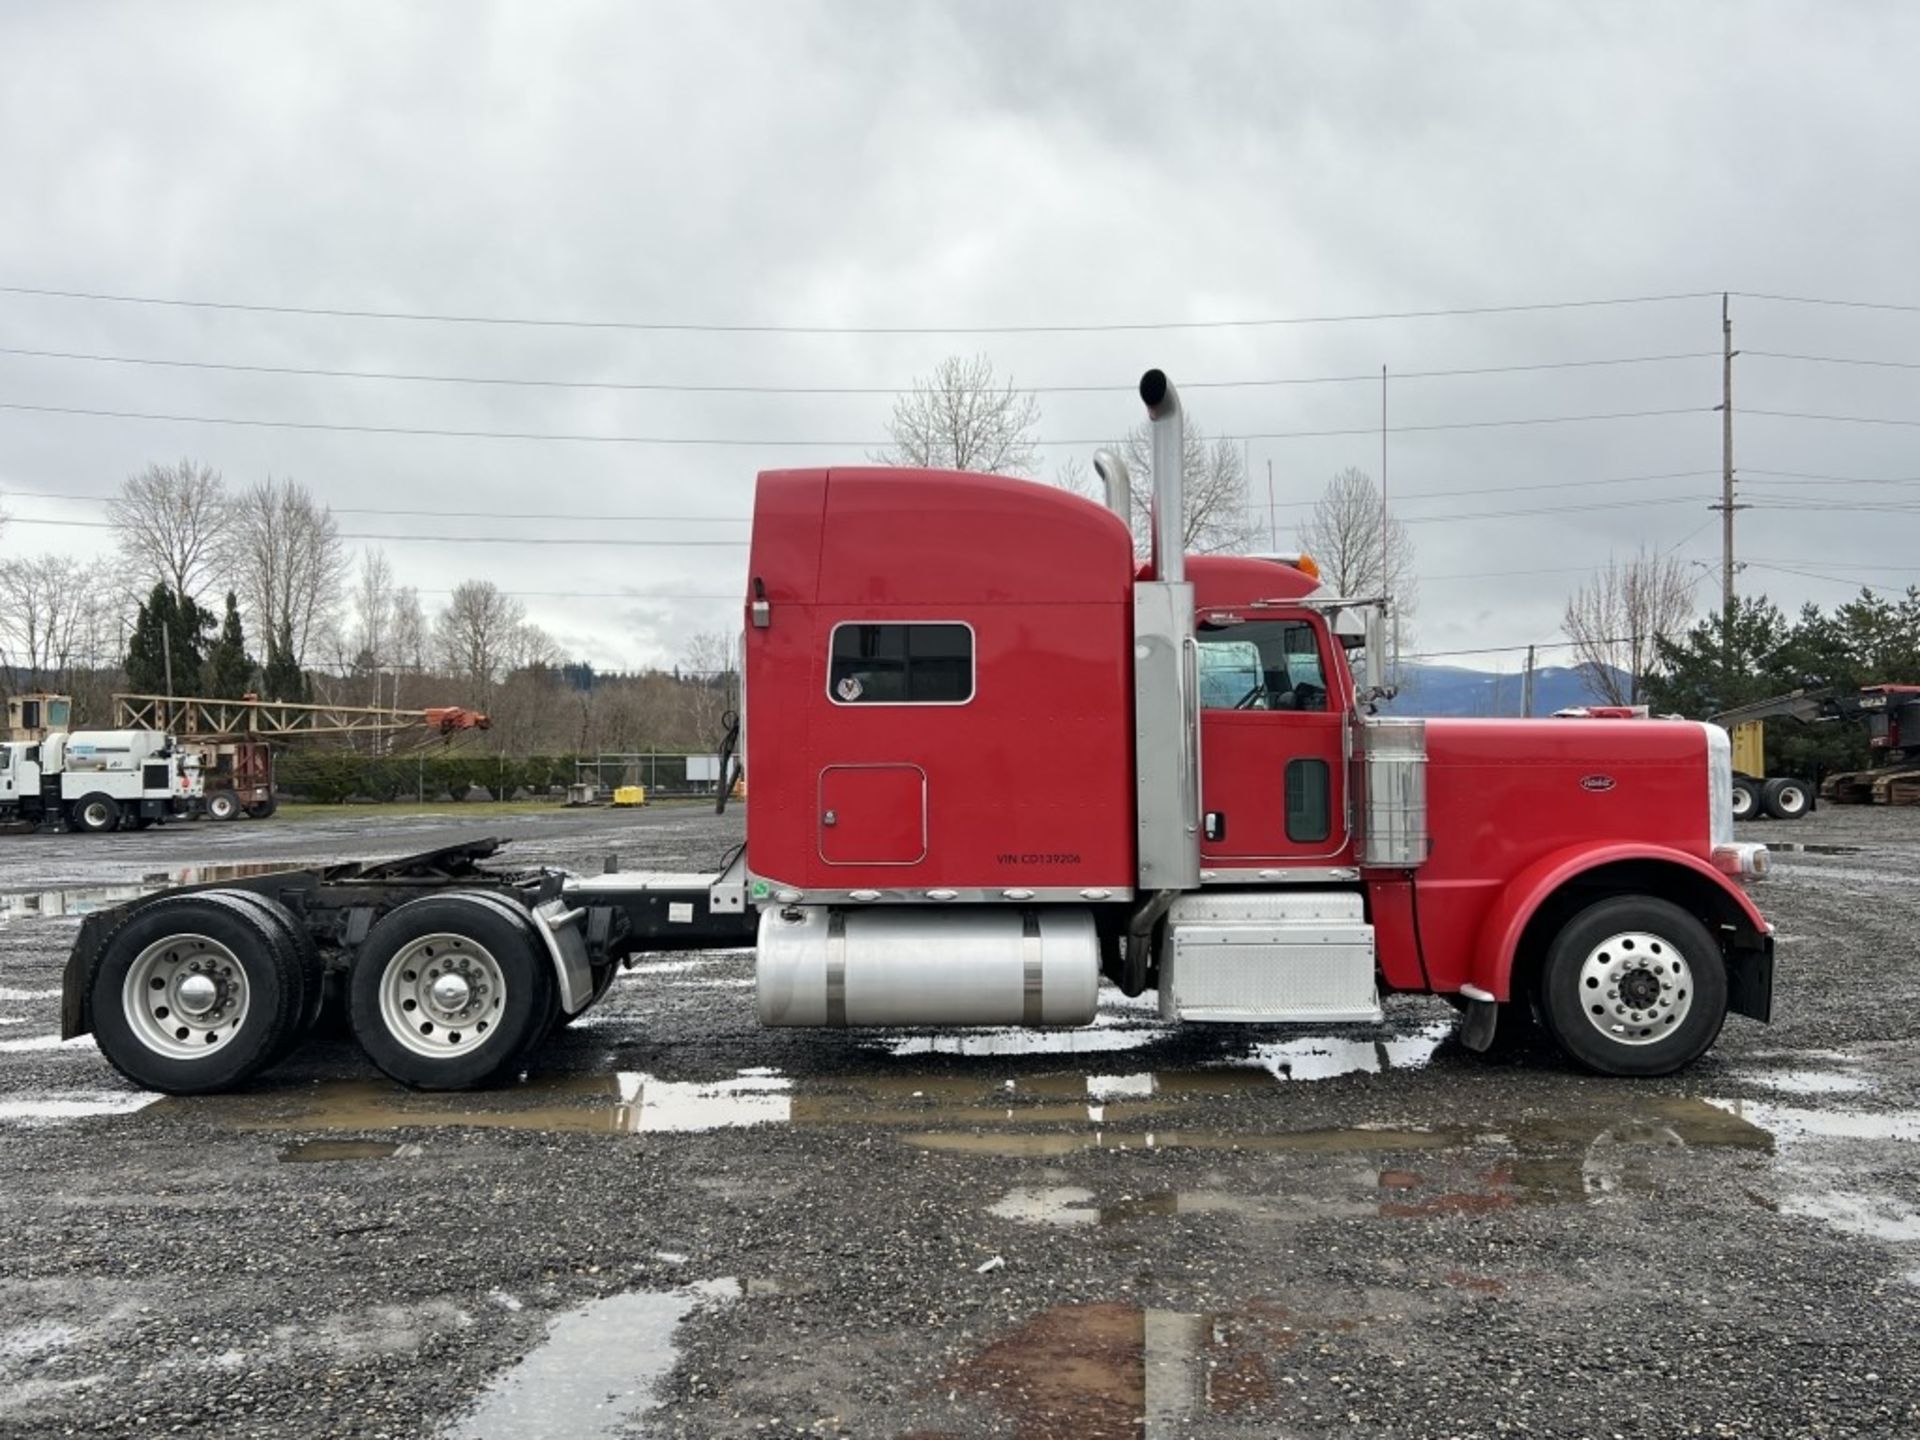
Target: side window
{"points": [[901, 664], [1261, 665]]}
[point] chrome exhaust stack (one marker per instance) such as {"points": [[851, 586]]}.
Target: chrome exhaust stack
{"points": [[1169, 480], [1113, 474], [1166, 681]]}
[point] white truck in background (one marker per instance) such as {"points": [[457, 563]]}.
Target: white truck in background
{"points": [[92, 780]]}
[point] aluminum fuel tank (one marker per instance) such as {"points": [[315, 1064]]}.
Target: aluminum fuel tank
{"points": [[928, 965]]}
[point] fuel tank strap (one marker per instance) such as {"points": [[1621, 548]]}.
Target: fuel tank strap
{"points": [[837, 969], [1033, 971]]}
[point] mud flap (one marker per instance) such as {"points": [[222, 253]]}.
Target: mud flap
{"points": [[1750, 981], [1476, 1031]]}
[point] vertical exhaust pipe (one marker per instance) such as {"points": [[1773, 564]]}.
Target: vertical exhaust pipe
{"points": [[1113, 474], [1166, 684], [1169, 481]]}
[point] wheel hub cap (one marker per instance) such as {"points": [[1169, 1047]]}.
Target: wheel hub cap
{"points": [[1636, 987], [185, 996], [442, 995], [196, 994]]}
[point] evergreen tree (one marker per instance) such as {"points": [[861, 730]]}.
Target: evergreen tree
{"points": [[172, 629], [229, 671], [281, 677]]}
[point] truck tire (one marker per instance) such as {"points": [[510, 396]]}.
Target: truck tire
{"points": [[95, 814], [1746, 798], [299, 956], [261, 809], [193, 994], [450, 992], [1786, 799], [1634, 985], [223, 805]]}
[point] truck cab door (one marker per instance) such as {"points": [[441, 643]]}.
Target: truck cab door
{"points": [[1273, 742]]}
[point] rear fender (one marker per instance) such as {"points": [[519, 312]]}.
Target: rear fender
{"points": [[1535, 901]]}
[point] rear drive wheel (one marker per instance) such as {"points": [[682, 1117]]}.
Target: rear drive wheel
{"points": [[261, 809], [223, 805], [1786, 799], [299, 957], [450, 992], [1746, 798], [95, 814], [1634, 986], [193, 994]]}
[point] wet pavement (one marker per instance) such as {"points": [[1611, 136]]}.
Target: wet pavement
{"points": [[680, 1224]]}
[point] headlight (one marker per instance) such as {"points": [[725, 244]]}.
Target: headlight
{"points": [[1745, 859]]}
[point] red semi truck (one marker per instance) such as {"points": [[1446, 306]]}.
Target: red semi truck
{"points": [[996, 759]]}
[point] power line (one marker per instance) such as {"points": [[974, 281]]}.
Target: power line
{"points": [[1786, 476], [1832, 360], [1819, 300], [684, 388], [783, 443], [1830, 419], [1581, 508], [565, 323]]}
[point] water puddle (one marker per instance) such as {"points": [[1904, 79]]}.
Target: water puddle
{"points": [[319, 1151], [1114, 1371], [753, 1097], [70, 903], [1810, 1082], [597, 1371], [1072, 1205], [1323, 1058], [1874, 1217], [73, 1105], [1026, 1145], [1790, 1123], [75, 901], [1103, 1035]]}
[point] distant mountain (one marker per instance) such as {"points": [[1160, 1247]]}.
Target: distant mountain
{"points": [[1459, 690]]}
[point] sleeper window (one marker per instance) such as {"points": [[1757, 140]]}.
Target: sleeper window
{"points": [[901, 664]]}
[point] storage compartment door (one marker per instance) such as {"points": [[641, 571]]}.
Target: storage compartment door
{"points": [[873, 814]]}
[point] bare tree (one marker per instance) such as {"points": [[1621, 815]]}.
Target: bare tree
{"points": [[410, 636], [476, 635], [964, 417], [710, 668], [1345, 534], [1615, 620], [287, 563], [52, 612], [1215, 490], [371, 643], [173, 522]]}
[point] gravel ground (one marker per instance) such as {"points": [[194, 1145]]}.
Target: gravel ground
{"points": [[680, 1224]]}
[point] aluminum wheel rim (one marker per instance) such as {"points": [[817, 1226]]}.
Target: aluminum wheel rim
{"points": [[1742, 803], [1791, 798], [442, 995], [186, 996], [222, 808], [1636, 987], [95, 814]]}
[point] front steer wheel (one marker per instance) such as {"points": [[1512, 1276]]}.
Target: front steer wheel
{"points": [[195, 993], [1634, 986], [450, 992]]}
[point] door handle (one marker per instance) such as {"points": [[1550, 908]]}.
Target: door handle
{"points": [[829, 818]]}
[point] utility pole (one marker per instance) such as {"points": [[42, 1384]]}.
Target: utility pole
{"points": [[1526, 687], [1726, 507]]}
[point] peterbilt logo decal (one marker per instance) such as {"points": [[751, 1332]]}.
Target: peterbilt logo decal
{"points": [[1598, 784]]}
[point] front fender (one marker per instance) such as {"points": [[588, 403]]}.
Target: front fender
{"points": [[1506, 921]]}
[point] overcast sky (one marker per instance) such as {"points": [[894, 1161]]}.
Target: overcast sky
{"points": [[973, 165]]}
